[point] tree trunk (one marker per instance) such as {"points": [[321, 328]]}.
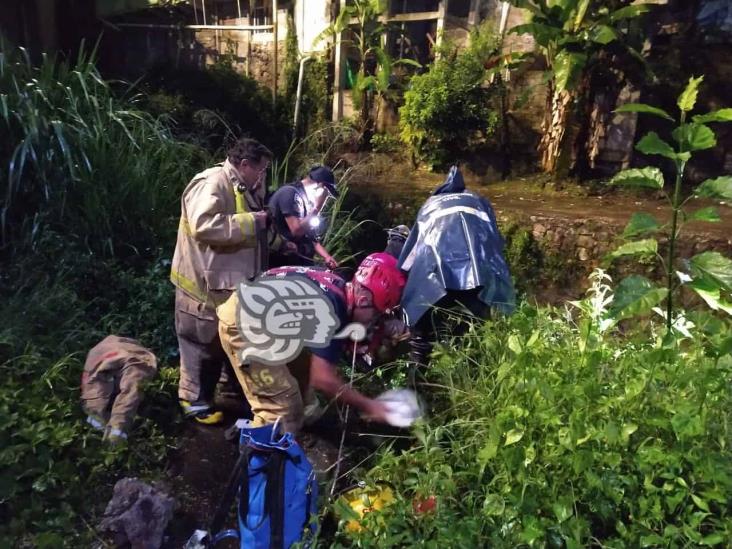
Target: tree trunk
{"points": [[587, 107], [554, 127]]}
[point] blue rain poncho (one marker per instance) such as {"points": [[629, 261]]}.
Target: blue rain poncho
{"points": [[454, 245]]}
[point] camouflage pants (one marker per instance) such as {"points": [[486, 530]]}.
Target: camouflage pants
{"points": [[273, 391]]}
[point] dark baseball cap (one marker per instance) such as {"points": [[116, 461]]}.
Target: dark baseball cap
{"points": [[324, 175]]}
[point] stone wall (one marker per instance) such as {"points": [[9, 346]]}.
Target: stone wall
{"points": [[570, 248], [252, 52]]}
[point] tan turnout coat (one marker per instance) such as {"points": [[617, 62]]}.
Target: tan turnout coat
{"points": [[218, 244], [110, 384]]}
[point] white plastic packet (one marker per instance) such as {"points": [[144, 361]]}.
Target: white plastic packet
{"points": [[402, 405]]}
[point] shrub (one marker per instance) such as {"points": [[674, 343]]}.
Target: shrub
{"points": [[385, 143], [543, 437], [524, 256], [447, 111], [214, 105]]}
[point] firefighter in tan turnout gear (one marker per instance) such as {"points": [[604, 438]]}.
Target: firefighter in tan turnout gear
{"points": [[110, 385], [222, 239]]}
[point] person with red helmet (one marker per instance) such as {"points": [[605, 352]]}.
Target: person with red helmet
{"points": [[279, 390]]}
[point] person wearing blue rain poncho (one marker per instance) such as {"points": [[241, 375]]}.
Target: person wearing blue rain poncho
{"points": [[454, 260]]}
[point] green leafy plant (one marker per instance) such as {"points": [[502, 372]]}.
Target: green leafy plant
{"points": [[385, 143], [534, 441], [573, 38], [709, 274], [447, 111], [364, 21], [315, 94]]}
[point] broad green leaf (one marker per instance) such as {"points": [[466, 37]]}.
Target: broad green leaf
{"points": [[514, 343], [562, 511], [364, 82], [581, 11], [721, 187], [647, 246], [513, 436], [494, 505], [711, 295], [640, 223], [700, 503], [629, 12], [713, 539], [567, 67], [652, 540], [694, 137], [410, 62], [384, 70], [722, 115], [713, 267], [652, 144], [603, 34], [628, 429], [687, 99], [710, 214], [647, 109], [488, 452], [687, 422], [649, 178], [634, 296]]}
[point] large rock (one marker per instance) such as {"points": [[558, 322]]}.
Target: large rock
{"points": [[137, 514]]}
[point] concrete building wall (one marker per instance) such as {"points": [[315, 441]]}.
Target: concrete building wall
{"points": [[311, 18], [252, 53]]}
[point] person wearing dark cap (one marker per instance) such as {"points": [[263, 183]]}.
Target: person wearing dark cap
{"points": [[295, 209]]}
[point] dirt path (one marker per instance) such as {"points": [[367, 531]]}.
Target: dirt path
{"points": [[527, 197]]}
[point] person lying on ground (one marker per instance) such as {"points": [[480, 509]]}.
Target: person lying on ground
{"points": [[111, 385]]}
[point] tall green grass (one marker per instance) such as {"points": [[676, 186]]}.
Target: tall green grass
{"points": [[78, 156]]}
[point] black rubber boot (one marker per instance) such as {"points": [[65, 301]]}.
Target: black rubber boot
{"points": [[420, 348]]}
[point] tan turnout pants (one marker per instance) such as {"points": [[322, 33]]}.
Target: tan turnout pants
{"points": [[201, 355], [272, 391], [110, 385]]}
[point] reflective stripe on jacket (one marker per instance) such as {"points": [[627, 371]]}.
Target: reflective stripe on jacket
{"points": [[218, 243]]}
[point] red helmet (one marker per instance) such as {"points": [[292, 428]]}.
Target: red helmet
{"points": [[379, 273]]}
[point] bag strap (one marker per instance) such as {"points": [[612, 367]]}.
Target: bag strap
{"points": [[321, 277], [241, 465], [275, 499]]}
